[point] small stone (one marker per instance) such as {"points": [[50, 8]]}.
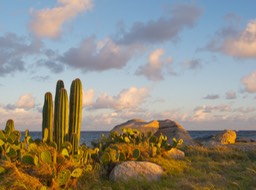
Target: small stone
{"points": [[175, 153]]}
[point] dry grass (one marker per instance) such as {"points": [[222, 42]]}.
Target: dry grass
{"points": [[17, 179]]}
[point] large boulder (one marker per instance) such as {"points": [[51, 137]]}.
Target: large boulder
{"points": [[136, 170], [172, 130], [167, 127], [224, 137], [139, 124]]}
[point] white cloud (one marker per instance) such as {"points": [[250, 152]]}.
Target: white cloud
{"points": [[48, 22], [26, 102], [23, 118], [92, 55], [88, 97], [208, 112], [153, 69], [235, 43], [245, 44], [131, 98], [157, 66], [249, 82]]}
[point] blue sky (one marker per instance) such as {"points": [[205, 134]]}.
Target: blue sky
{"points": [[189, 61]]}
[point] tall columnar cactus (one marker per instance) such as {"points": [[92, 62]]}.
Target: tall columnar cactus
{"points": [[74, 142], [48, 117], [61, 129], [75, 111], [59, 86]]}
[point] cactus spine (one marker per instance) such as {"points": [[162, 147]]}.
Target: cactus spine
{"points": [[61, 127], [75, 114], [48, 117]]}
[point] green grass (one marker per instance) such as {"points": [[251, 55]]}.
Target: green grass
{"points": [[203, 168]]}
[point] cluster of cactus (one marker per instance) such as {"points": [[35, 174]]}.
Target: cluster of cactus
{"points": [[65, 123], [131, 140], [10, 144], [114, 154]]}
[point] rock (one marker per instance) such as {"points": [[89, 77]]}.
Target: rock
{"points": [[175, 153], [172, 130], [224, 137], [136, 170], [139, 124], [167, 127]]}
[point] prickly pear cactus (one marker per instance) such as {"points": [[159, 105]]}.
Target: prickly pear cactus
{"points": [[122, 156], [2, 170], [15, 136], [76, 173], [12, 154], [2, 135], [29, 159], [136, 153], [63, 177], [105, 158], [68, 146], [9, 127], [46, 156]]}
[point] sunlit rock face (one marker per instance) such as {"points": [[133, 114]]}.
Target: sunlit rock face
{"points": [[167, 127], [136, 170], [224, 137], [175, 153], [139, 124]]}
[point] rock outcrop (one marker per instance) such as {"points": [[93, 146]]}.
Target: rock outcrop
{"points": [[139, 124], [172, 130], [167, 127], [224, 137], [136, 170]]}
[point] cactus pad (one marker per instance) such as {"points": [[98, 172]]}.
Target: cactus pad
{"points": [[46, 156], [136, 153], [63, 177], [30, 159], [77, 173]]}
